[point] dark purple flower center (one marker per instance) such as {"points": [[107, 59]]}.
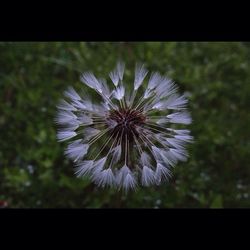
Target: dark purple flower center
{"points": [[126, 122]]}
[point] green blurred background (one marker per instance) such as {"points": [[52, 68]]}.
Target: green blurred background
{"points": [[33, 169]]}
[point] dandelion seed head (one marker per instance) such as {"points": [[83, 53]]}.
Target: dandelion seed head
{"points": [[125, 140]]}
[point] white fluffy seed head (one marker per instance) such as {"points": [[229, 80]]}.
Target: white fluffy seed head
{"points": [[125, 179], [140, 74], [145, 158], [121, 174], [90, 80], [180, 117], [71, 93], [125, 139], [120, 69], [119, 93], [64, 135], [104, 178], [114, 77], [76, 150], [148, 176], [66, 106], [65, 117], [84, 168], [162, 172], [85, 120], [117, 73], [154, 80], [129, 182]]}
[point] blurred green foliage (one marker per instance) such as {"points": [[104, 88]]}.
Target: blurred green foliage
{"points": [[33, 169]]}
